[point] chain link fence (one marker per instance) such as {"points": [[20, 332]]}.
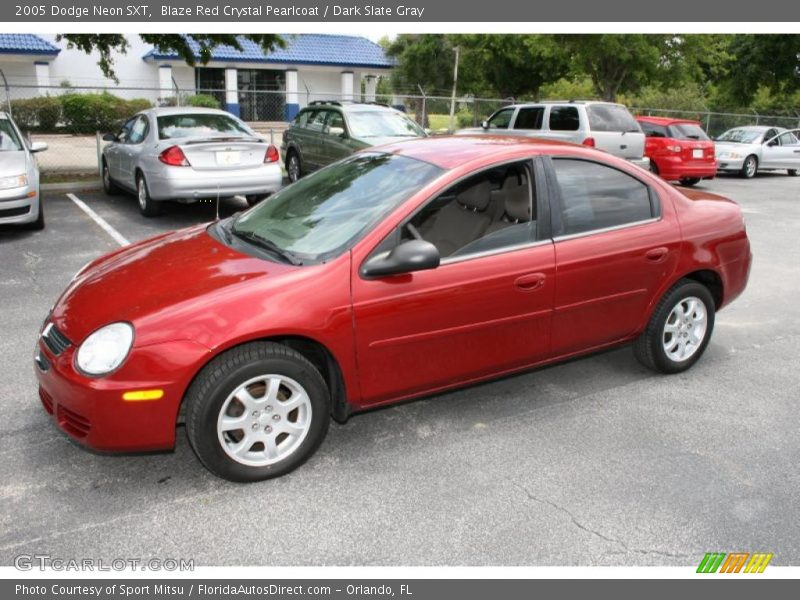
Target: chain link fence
{"points": [[72, 119]]}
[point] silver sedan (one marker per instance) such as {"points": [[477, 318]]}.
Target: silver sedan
{"points": [[20, 202], [188, 154], [748, 150]]}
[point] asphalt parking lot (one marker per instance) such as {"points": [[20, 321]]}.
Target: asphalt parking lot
{"points": [[593, 462]]}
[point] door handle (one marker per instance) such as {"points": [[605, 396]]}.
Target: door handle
{"points": [[530, 282], [656, 255]]}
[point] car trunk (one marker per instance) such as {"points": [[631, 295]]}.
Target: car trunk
{"points": [[627, 144], [221, 154]]}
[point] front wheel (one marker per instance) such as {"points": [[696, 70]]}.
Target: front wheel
{"points": [[109, 187], [690, 181], [253, 199], [679, 329], [749, 167], [257, 411], [792, 172], [147, 206]]}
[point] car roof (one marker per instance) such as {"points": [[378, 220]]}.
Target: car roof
{"points": [[577, 102], [756, 128], [349, 106], [451, 151], [665, 120], [185, 110]]}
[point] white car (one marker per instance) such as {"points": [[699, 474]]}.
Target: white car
{"points": [[189, 154], [748, 150], [604, 125], [20, 202]]}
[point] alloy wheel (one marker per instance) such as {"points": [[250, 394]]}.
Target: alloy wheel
{"points": [[685, 329]]}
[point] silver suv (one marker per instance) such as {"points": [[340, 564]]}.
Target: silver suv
{"points": [[604, 125]]}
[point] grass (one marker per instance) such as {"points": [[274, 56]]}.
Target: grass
{"points": [[57, 177]]}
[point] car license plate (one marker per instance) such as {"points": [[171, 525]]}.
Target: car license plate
{"points": [[229, 158], [697, 153]]}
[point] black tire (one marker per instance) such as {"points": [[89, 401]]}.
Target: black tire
{"points": [[792, 172], [253, 199], [147, 206], [219, 379], [653, 167], [749, 167], [38, 224], [109, 187], [294, 174], [690, 181], [649, 347]]}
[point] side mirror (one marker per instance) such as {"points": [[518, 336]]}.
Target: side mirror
{"points": [[772, 143], [38, 147], [485, 124], [428, 131], [413, 255], [336, 131], [110, 137]]}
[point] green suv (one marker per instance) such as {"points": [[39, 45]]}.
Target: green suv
{"points": [[326, 131]]}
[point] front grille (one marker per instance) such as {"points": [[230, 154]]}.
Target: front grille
{"points": [[47, 401], [14, 212], [73, 423], [56, 341]]}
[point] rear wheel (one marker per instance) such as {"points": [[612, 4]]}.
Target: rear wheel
{"points": [[109, 187], [690, 181], [792, 172], [257, 411], [679, 330], [749, 167], [147, 206], [293, 168], [253, 199], [653, 167]]}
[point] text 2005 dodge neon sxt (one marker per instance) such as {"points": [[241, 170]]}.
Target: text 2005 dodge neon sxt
{"points": [[397, 272]]}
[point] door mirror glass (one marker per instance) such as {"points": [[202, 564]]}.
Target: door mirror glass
{"points": [[38, 147], [110, 137], [485, 124], [413, 255]]}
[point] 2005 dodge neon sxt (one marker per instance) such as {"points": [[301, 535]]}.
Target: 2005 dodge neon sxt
{"points": [[398, 272]]}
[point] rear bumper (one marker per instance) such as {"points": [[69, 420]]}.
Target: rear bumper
{"points": [[643, 162], [92, 412], [185, 183], [674, 168], [17, 207]]}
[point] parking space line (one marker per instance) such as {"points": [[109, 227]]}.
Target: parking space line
{"points": [[116, 235]]}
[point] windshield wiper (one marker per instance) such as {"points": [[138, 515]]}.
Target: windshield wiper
{"points": [[268, 245]]}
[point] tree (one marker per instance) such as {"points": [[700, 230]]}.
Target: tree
{"points": [[107, 43], [509, 65], [770, 60]]}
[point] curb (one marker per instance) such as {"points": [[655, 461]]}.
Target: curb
{"points": [[71, 186]]}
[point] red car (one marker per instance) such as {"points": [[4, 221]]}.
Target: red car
{"points": [[679, 149], [395, 273]]}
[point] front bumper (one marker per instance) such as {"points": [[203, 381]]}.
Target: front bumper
{"points": [[91, 410], [174, 183], [19, 205], [730, 164]]}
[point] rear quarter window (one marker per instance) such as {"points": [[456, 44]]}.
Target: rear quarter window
{"points": [[564, 118]]}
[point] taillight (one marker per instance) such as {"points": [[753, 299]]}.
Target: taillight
{"points": [[675, 148], [272, 154], [589, 142], [174, 157]]}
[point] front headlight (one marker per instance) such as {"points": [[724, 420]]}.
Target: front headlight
{"points": [[105, 349], [7, 183]]}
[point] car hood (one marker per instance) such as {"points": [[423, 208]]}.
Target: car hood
{"points": [[159, 280], [13, 162], [721, 147]]}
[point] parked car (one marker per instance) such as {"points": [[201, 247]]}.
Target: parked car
{"points": [[603, 125], [392, 274], [327, 131], [748, 150], [678, 149], [20, 200], [188, 154]]}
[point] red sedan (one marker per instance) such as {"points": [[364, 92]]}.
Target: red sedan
{"points": [[678, 149], [395, 273]]}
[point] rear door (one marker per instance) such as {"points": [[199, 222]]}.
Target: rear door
{"points": [[129, 151], [615, 130], [615, 244], [335, 137]]}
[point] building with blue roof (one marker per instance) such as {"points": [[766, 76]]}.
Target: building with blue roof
{"points": [[249, 82]]}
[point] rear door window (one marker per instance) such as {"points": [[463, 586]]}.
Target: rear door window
{"points": [[529, 118], [564, 118], [611, 117]]}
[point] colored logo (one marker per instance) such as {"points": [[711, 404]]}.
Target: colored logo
{"points": [[736, 562]]}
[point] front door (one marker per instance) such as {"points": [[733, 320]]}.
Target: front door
{"points": [[782, 151], [485, 310]]}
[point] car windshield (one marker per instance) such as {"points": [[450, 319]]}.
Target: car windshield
{"points": [[199, 125], [9, 140], [687, 131], [741, 136], [382, 123], [323, 214]]}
